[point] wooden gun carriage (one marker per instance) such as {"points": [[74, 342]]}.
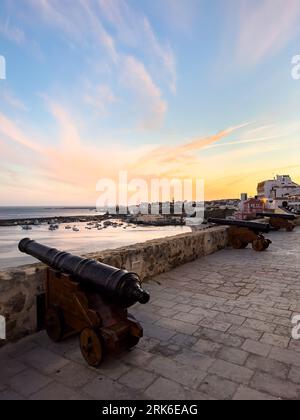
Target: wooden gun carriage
{"points": [[91, 299], [241, 233], [280, 221]]}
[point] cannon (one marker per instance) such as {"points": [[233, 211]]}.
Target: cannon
{"points": [[241, 233], [280, 220], [86, 297]]}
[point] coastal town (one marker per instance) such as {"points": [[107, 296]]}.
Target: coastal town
{"points": [[278, 195]]}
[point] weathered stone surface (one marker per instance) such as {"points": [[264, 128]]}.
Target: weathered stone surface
{"points": [[266, 365], [248, 394], [219, 388], [233, 355], [16, 303], [27, 382], [275, 340], [137, 378], [164, 389], [256, 347], [230, 371], [185, 375], [275, 386]]}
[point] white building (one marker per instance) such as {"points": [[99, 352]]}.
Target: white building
{"points": [[277, 190]]}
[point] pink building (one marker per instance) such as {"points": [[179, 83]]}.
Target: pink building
{"points": [[249, 208]]}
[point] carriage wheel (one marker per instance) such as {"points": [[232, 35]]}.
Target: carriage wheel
{"points": [[91, 347], [133, 337], [267, 243], [132, 341], [54, 322], [236, 243], [258, 245]]}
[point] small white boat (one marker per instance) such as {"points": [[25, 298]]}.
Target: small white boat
{"points": [[75, 229]]}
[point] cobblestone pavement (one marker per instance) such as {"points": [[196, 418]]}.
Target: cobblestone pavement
{"points": [[217, 328]]}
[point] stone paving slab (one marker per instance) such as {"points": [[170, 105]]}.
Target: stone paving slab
{"points": [[216, 328]]}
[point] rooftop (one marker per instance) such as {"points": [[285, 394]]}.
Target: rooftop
{"points": [[219, 328]]}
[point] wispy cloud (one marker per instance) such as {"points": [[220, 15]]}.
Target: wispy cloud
{"points": [[10, 99], [68, 132], [263, 134], [12, 33], [180, 15], [83, 25], [137, 78], [135, 30], [265, 27], [9, 129], [74, 165], [100, 98]]}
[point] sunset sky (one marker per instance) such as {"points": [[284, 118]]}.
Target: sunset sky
{"points": [[159, 88]]}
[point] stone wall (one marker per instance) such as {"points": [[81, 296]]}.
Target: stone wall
{"points": [[19, 287]]}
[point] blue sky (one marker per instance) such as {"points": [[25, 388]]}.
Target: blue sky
{"points": [[95, 86]]}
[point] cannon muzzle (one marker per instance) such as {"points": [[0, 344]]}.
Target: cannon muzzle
{"points": [[118, 286]]}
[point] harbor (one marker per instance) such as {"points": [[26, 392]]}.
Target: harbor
{"points": [[78, 241]]}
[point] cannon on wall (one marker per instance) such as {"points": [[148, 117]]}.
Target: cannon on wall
{"points": [[90, 298], [241, 233], [280, 220]]}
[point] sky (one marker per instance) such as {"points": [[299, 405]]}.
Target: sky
{"points": [[160, 89]]}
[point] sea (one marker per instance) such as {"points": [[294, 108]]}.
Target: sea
{"points": [[78, 242]]}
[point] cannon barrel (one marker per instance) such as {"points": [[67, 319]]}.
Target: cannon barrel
{"points": [[120, 286], [258, 227], [277, 215]]}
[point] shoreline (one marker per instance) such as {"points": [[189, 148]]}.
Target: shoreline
{"points": [[31, 221]]}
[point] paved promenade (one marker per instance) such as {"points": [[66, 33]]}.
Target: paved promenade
{"points": [[217, 328]]}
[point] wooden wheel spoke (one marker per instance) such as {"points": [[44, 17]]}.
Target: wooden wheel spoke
{"points": [[91, 346]]}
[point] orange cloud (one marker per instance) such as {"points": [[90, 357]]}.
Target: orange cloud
{"points": [[68, 172]]}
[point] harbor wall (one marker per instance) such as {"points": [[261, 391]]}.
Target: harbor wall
{"points": [[20, 287]]}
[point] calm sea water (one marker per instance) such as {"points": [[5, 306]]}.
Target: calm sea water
{"points": [[79, 243], [27, 212]]}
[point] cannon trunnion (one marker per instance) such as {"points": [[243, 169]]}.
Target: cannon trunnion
{"points": [[92, 303], [241, 233]]}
